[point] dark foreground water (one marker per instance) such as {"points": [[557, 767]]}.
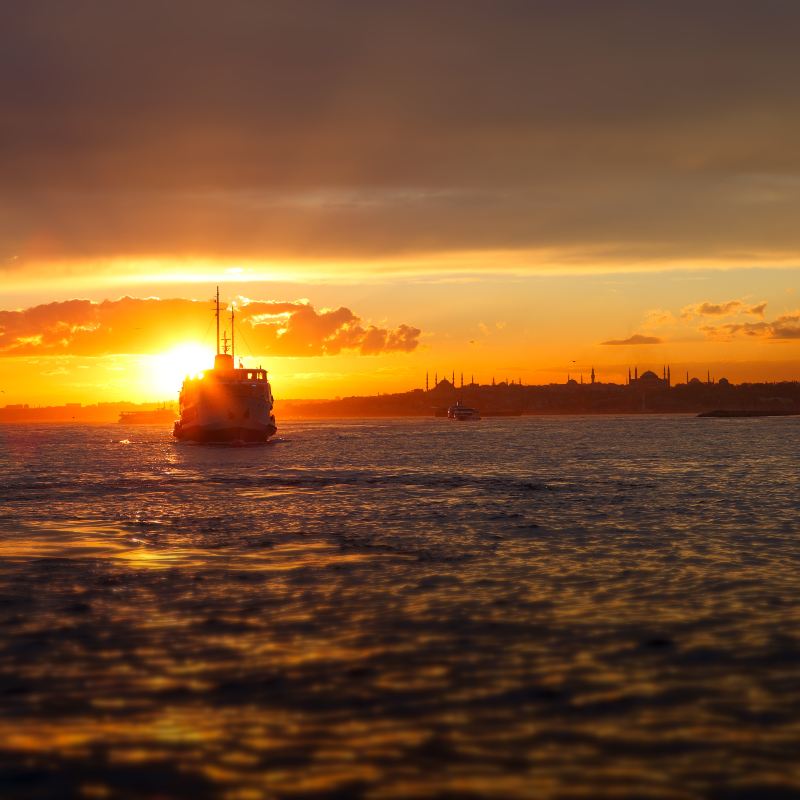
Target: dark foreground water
{"points": [[534, 607]]}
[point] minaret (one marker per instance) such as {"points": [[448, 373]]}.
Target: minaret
{"points": [[636, 373], [471, 380], [708, 377], [426, 382], [436, 380], [462, 380], [629, 376], [687, 377], [669, 377], [454, 379], [592, 379]]}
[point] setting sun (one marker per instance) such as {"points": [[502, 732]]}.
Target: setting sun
{"points": [[171, 367]]}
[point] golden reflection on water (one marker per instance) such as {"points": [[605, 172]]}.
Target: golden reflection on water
{"points": [[428, 627]]}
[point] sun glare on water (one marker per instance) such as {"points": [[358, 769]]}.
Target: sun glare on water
{"points": [[171, 367]]}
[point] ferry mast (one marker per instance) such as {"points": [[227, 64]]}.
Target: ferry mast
{"points": [[233, 315], [217, 316]]}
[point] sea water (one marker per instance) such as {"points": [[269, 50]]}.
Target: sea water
{"points": [[525, 607]]}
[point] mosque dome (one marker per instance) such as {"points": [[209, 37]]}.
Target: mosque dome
{"points": [[649, 376]]}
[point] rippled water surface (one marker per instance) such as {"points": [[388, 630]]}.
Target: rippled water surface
{"points": [[531, 607]]}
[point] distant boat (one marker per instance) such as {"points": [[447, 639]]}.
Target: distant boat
{"points": [[226, 404], [462, 413], [152, 417], [729, 413]]}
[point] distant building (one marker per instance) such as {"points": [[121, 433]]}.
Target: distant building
{"points": [[649, 379]]}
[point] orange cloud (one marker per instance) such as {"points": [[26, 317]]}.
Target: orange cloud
{"points": [[133, 325], [784, 327], [658, 317]]}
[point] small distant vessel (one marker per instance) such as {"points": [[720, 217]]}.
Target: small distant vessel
{"points": [[462, 413], [725, 413], [226, 405], [153, 417]]}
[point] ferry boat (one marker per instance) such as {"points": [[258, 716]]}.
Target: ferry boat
{"points": [[226, 404], [462, 413]]}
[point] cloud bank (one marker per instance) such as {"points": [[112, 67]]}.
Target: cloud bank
{"points": [[151, 325], [625, 130]]}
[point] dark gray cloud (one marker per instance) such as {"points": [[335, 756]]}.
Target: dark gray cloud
{"points": [[151, 325], [723, 309], [263, 129], [637, 338], [712, 309]]}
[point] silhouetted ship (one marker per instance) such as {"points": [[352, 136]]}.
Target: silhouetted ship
{"points": [[155, 416], [226, 404], [462, 413]]}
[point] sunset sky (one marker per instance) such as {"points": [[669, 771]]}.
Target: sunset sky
{"points": [[508, 189]]}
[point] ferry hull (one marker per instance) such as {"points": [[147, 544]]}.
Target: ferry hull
{"points": [[226, 410], [227, 435]]}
